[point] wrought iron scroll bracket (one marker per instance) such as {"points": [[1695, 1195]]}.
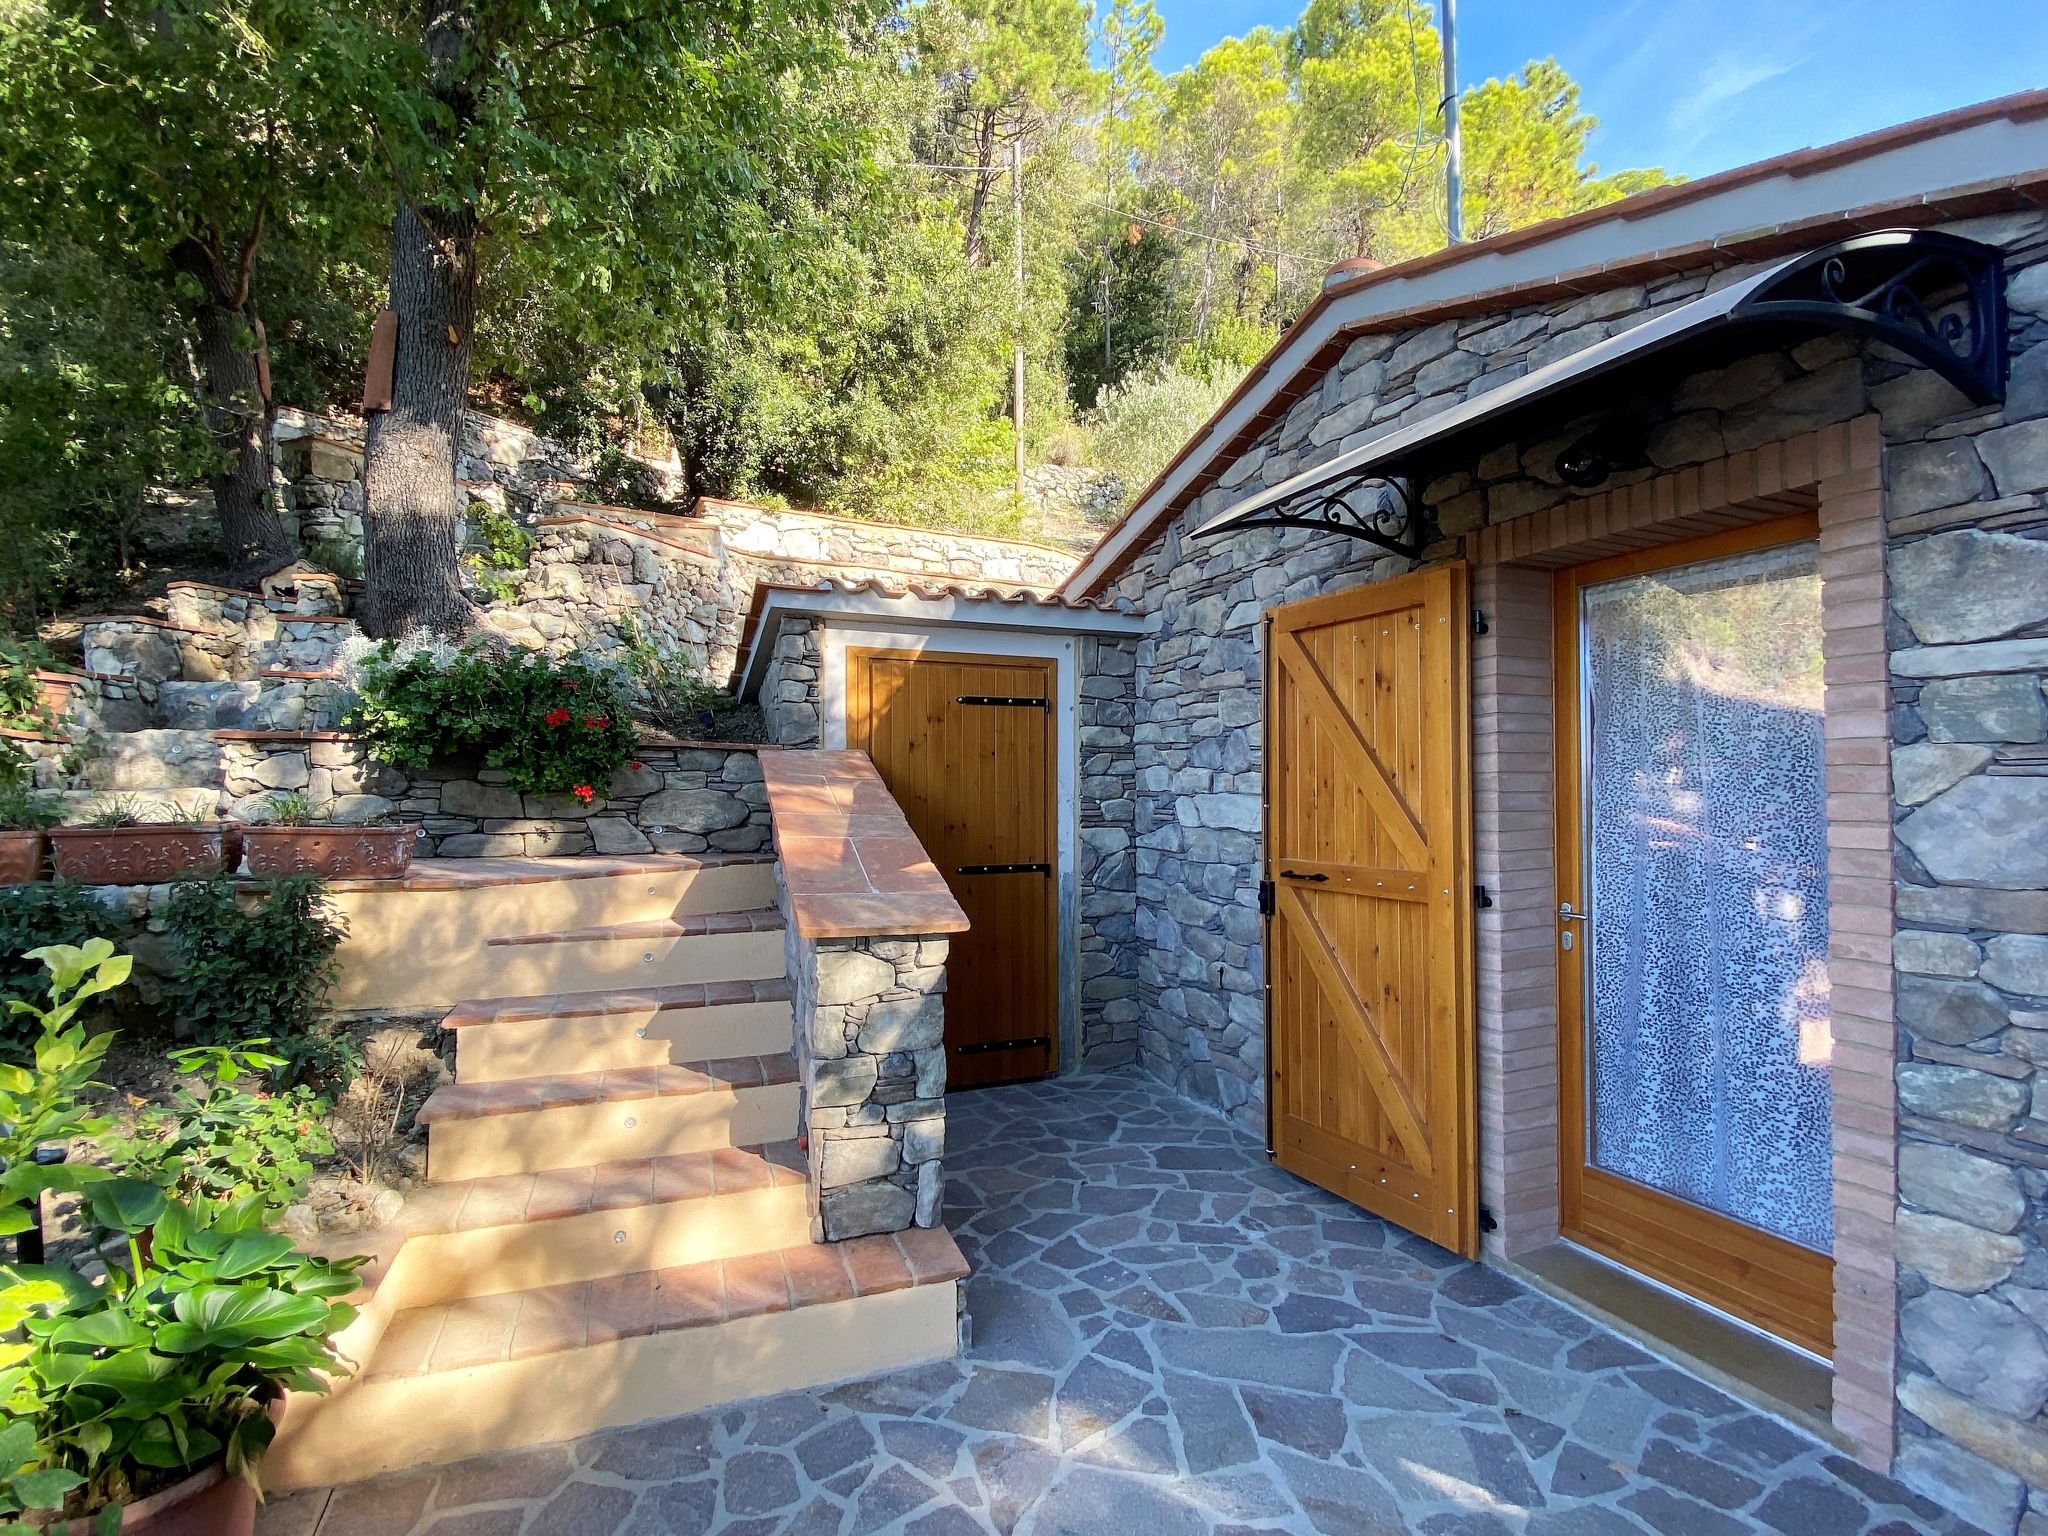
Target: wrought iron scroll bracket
{"points": [[1379, 510], [1938, 298]]}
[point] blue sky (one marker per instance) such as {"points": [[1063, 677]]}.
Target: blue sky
{"points": [[1697, 86]]}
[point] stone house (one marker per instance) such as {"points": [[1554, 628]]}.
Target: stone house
{"points": [[1559, 755]]}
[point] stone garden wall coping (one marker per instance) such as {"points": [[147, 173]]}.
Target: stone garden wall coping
{"points": [[851, 865]]}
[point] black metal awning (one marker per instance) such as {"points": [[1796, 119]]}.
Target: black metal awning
{"points": [[1935, 297]]}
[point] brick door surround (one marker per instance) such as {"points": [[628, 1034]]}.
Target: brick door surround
{"points": [[1837, 470]]}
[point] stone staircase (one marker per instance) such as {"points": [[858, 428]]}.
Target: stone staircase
{"points": [[617, 1224], [155, 688]]}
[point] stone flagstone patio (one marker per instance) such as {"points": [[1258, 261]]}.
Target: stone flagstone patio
{"points": [[1172, 1336]]}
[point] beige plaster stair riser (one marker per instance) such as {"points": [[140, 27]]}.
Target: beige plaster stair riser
{"points": [[574, 1135], [481, 911], [375, 1426], [604, 1042], [434, 969], [490, 1261]]}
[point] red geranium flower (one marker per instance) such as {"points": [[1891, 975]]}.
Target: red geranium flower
{"points": [[584, 793], [636, 767], [556, 717]]}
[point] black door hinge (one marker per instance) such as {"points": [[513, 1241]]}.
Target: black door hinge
{"points": [[1479, 626], [1266, 902], [1480, 897], [1003, 701]]}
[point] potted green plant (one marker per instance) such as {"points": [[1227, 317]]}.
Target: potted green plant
{"points": [[25, 820], [292, 840], [141, 1399], [117, 846]]}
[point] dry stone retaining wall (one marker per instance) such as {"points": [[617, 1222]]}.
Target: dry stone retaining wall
{"points": [[1967, 526], [671, 799]]}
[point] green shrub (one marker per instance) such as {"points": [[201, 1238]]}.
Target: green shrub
{"points": [[1140, 423], [117, 1386], [554, 727], [227, 1141], [46, 912], [498, 558], [256, 967]]}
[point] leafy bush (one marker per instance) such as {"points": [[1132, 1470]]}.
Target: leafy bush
{"points": [[222, 1144], [555, 727], [498, 558], [116, 1388], [261, 967], [1140, 423], [32, 917]]}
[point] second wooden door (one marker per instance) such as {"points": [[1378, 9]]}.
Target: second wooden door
{"points": [[966, 746], [1368, 865]]}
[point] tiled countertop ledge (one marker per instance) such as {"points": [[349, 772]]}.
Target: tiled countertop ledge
{"points": [[850, 862]]}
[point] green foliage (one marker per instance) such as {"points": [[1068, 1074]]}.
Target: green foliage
{"points": [[40, 1102], [498, 558], [555, 727], [292, 810], [113, 1388], [21, 808], [46, 914], [226, 1142], [1141, 423], [90, 420], [669, 691], [256, 966]]}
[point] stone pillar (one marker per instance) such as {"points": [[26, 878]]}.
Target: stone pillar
{"points": [[871, 1062]]}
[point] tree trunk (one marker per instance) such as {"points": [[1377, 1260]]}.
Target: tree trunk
{"points": [[414, 510], [984, 179], [253, 537]]}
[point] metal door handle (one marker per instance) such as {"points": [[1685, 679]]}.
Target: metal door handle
{"points": [[1565, 914], [1294, 874]]}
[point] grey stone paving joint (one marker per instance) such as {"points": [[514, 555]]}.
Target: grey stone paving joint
{"points": [[1172, 1336]]}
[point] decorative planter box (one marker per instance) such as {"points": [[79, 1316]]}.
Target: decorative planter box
{"points": [[208, 1503], [139, 855], [21, 856], [338, 852]]}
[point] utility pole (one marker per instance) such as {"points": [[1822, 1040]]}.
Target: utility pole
{"points": [[1454, 169], [1017, 351]]}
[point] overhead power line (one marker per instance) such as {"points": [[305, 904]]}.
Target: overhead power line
{"points": [[1125, 213]]}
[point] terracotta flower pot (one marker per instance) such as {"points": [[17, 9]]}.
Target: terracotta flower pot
{"points": [[208, 1503], [338, 852], [147, 855], [21, 856]]}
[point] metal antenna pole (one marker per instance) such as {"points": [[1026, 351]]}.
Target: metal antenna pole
{"points": [[1454, 169], [1017, 352]]}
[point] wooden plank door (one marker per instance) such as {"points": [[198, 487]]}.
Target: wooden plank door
{"points": [[966, 746], [1369, 948]]}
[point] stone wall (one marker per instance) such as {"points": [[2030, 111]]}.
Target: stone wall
{"points": [[1072, 490], [318, 465], [1106, 869], [686, 798], [1968, 568], [871, 1058], [787, 534], [1967, 527], [789, 686]]}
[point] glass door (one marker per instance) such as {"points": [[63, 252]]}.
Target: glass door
{"points": [[1693, 922]]}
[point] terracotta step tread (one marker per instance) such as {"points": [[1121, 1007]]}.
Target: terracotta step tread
{"points": [[561, 1005], [470, 1101], [483, 1330], [466, 1205], [752, 920], [465, 874]]}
